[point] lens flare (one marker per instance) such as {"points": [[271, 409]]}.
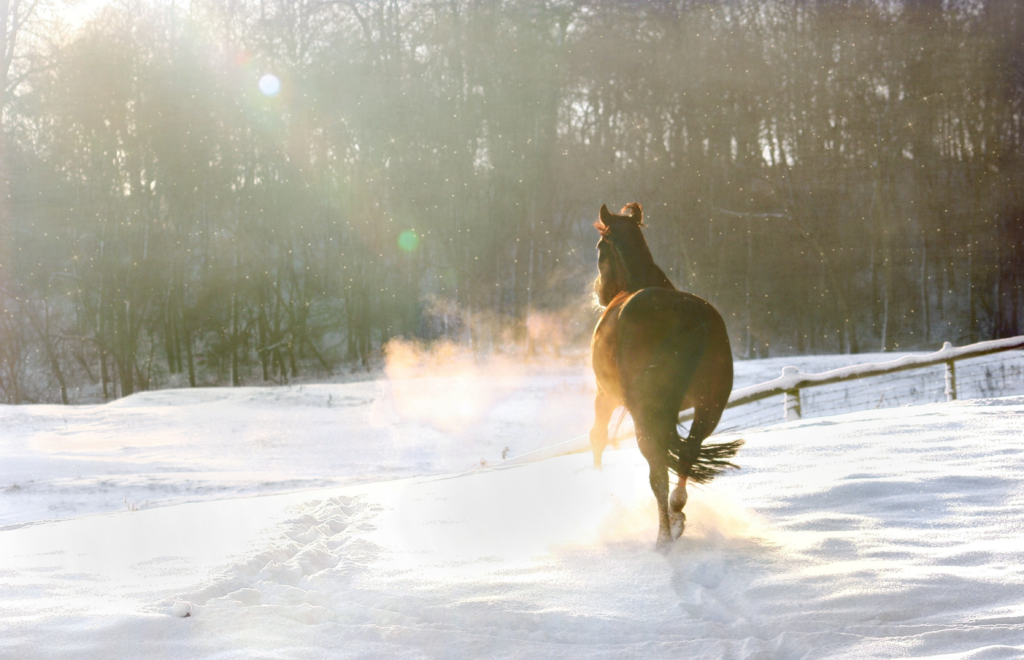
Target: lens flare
{"points": [[270, 85], [408, 240]]}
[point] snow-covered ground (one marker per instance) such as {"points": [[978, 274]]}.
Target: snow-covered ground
{"points": [[173, 446], [317, 521]]}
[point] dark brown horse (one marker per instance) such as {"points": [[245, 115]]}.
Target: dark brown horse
{"points": [[657, 351]]}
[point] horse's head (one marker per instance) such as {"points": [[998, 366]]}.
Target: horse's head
{"points": [[621, 242]]}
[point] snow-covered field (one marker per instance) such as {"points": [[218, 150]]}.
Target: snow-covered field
{"points": [[355, 520]]}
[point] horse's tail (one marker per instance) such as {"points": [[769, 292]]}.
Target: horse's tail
{"points": [[689, 457], [710, 460], [713, 460], [697, 461]]}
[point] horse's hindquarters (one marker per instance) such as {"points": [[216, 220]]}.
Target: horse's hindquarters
{"points": [[673, 348]]}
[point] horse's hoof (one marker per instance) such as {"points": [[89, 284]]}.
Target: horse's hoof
{"points": [[677, 523], [677, 500], [663, 545]]}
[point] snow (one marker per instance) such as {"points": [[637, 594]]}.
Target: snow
{"points": [[355, 520], [173, 446]]}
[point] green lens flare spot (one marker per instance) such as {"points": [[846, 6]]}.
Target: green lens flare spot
{"points": [[408, 240]]}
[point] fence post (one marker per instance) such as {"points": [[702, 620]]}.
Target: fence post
{"points": [[950, 375], [791, 399]]}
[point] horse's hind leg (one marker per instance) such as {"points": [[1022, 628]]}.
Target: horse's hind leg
{"points": [[704, 423], [604, 406], [659, 485], [676, 502], [653, 436]]}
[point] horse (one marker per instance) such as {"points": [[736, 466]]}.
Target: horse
{"points": [[656, 351]]}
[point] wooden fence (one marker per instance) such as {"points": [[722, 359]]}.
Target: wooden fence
{"points": [[792, 381]]}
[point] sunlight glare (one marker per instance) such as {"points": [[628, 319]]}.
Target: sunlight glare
{"points": [[270, 85]]}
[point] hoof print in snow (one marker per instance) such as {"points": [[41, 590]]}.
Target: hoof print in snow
{"points": [[181, 608]]}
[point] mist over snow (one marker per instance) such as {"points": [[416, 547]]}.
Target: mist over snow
{"points": [[377, 533], [437, 413]]}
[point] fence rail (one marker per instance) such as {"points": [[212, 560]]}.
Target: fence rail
{"points": [[792, 381]]}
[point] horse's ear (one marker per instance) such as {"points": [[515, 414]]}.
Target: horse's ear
{"points": [[635, 213], [602, 222]]}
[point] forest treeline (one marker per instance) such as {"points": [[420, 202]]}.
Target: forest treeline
{"points": [[238, 191]]}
